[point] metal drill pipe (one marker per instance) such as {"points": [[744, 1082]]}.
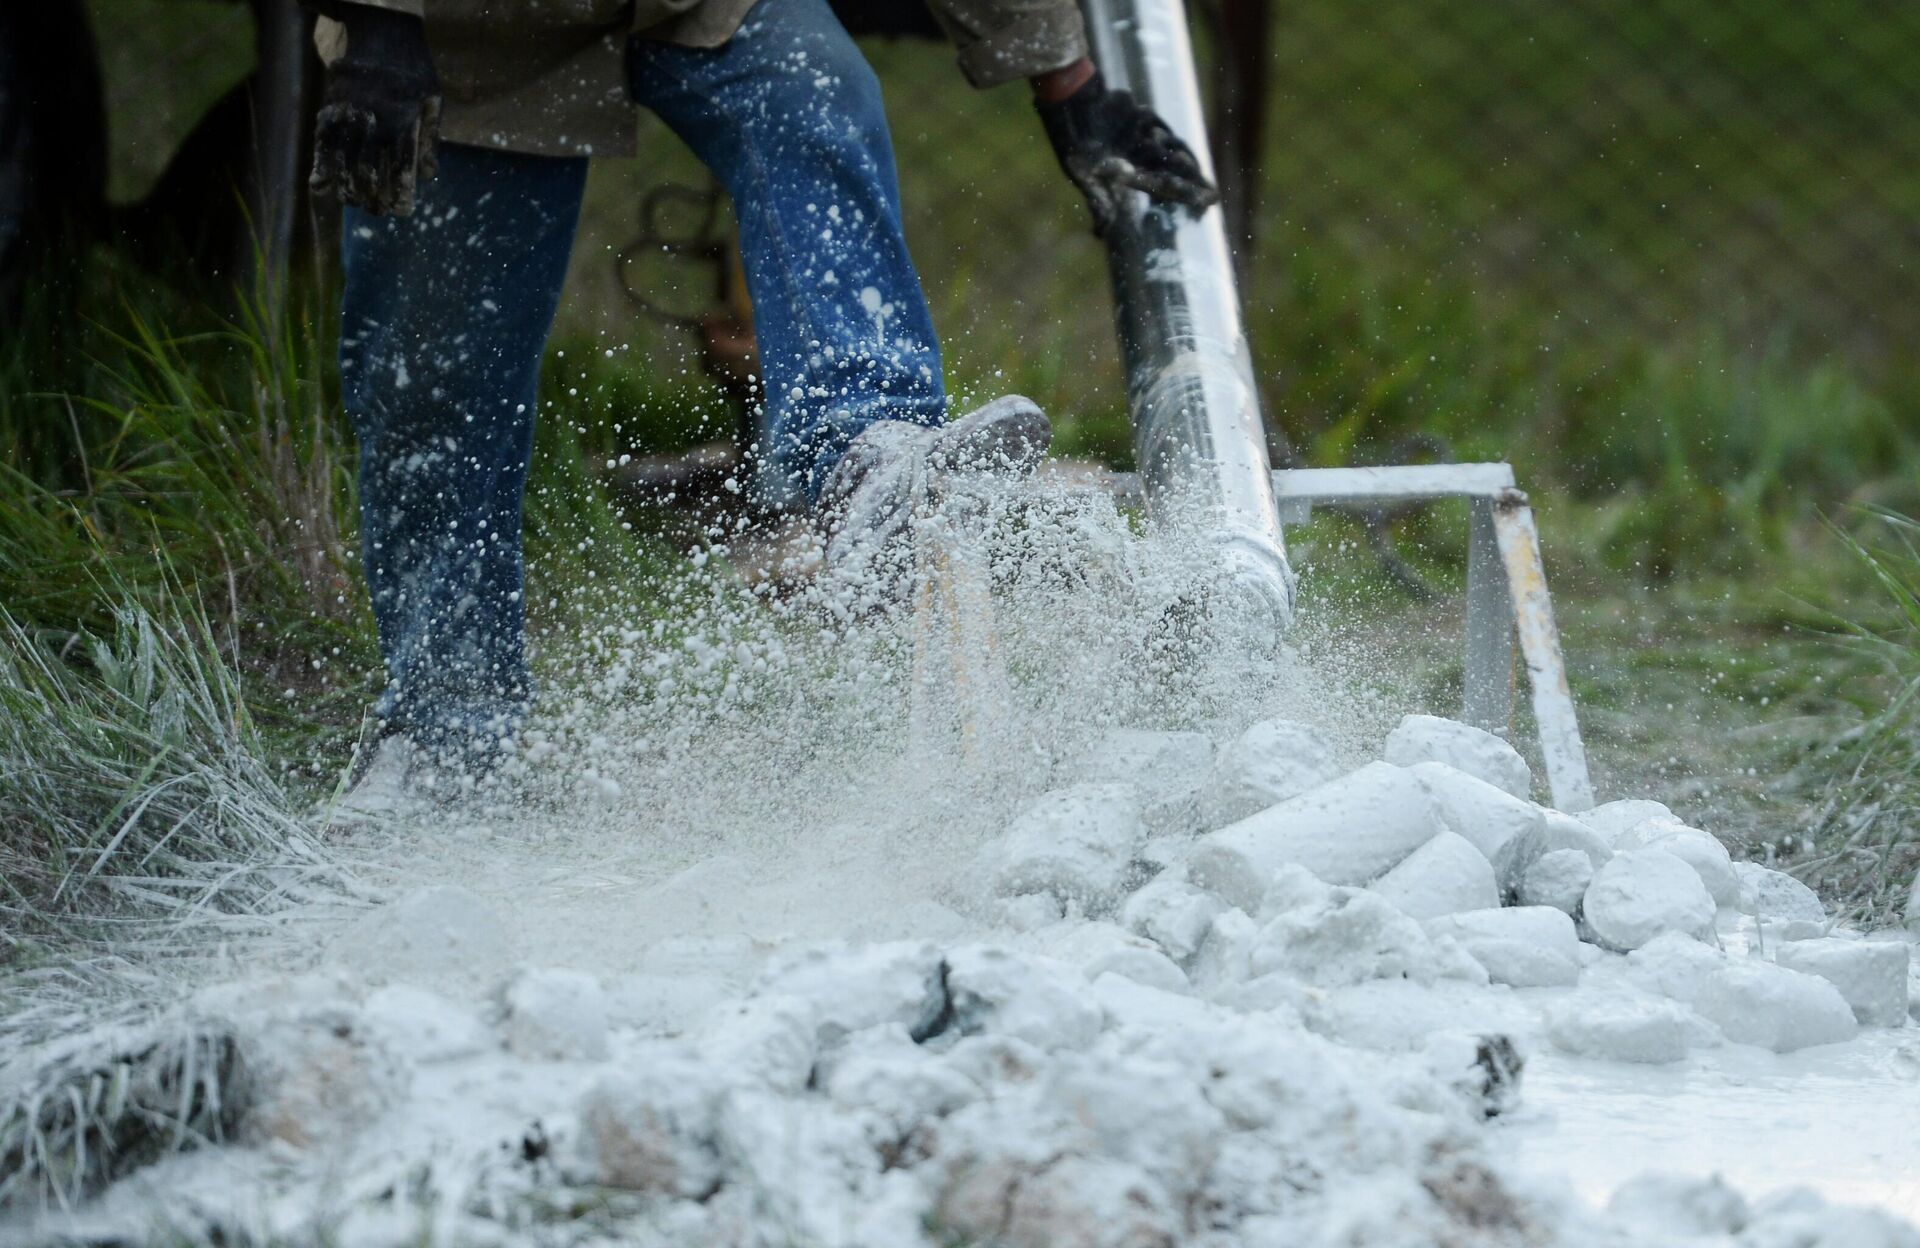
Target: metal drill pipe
{"points": [[1197, 430]]}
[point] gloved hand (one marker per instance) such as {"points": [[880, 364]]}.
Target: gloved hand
{"points": [[373, 140], [1109, 143]]}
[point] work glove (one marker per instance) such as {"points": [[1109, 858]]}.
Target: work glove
{"points": [[373, 140], [1109, 143]]}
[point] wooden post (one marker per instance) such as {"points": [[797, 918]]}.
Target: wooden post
{"points": [[283, 36]]}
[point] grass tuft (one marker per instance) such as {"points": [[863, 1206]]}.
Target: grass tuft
{"points": [[1869, 830], [76, 1115], [133, 791]]}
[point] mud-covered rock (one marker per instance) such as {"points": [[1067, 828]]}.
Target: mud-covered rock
{"points": [[1674, 965], [852, 988], [1272, 761], [1143, 966], [1698, 849], [1334, 936], [1554, 832], [1611, 820], [769, 1040], [1620, 1027], [554, 1014], [1351, 831], [1871, 975], [1640, 894], [1754, 1002], [1771, 894], [1076, 843], [1485, 814], [1479, 753], [1526, 946], [1036, 1000], [1445, 876], [651, 1126], [1223, 956], [1801, 1218], [424, 1027], [1558, 878], [319, 1075], [1172, 913], [1669, 1204]]}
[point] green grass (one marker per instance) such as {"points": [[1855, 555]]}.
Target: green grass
{"points": [[1867, 846], [155, 443], [136, 793]]}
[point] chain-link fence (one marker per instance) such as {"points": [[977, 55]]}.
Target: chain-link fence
{"points": [[1621, 169], [1619, 172], [1627, 167], [1609, 176]]}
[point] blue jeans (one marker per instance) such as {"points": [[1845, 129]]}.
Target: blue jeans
{"points": [[446, 315]]}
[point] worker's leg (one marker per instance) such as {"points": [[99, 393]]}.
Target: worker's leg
{"points": [[788, 115], [445, 317]]}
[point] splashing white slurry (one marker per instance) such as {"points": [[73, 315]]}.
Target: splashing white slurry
{"points": [[754, 950]]}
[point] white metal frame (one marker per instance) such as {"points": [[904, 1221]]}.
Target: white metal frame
{"points": [[1506, 593]]}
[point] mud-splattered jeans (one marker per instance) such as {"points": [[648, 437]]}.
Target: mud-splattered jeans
{"points": [[446, 315]]}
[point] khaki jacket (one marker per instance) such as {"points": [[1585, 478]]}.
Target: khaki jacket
{"points": [[549, 76]]}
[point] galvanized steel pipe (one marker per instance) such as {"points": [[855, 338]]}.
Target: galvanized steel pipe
{"points": [[1197, 430]]}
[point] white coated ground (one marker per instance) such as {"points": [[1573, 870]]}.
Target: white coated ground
{"points": [[1838, 1119], [769, 950]]}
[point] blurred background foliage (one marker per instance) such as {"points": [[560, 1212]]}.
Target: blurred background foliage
{"points": [[1666, 257], [1665, 246]]}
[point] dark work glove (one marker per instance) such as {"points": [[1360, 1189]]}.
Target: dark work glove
{"points": [[1109, 143], [373, 140]]}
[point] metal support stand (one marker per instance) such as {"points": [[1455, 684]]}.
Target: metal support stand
{"points": [[1506, 594], [1489, 666], [1506, 591], [1532, 611]]}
